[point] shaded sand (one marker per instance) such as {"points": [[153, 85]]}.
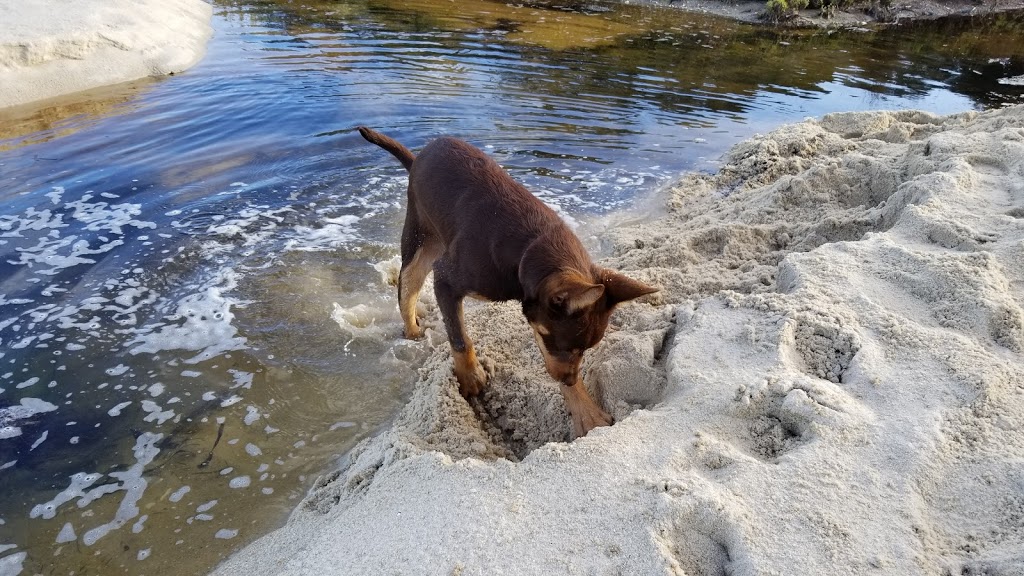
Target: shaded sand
{"points": [[831, 382], [51, 48]]}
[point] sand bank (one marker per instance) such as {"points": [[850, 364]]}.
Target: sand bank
{"points": [[52, 48], [831, 382]]}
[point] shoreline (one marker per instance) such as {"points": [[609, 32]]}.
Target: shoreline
{"points": [[859, 15], [829, 381]]}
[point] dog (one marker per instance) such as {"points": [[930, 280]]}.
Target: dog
{"points": [[486, 236]]}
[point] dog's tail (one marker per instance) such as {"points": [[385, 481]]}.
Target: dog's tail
{"points": [[397, 150]]}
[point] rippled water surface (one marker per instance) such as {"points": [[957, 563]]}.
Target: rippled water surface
{"points": [[195, 315]]}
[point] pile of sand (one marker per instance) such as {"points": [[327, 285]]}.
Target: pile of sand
{"points": [[51, 48], [831, 382]]}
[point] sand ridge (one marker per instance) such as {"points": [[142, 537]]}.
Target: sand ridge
{"points": [[831, 381], [49, 49]]}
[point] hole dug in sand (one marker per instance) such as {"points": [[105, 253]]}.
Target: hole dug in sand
{"points": [[522, 408]]}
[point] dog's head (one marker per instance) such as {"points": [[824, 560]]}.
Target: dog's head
{"points": [[570, 315]]}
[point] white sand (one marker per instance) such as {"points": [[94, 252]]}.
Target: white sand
{"points": [[51, 48], [832, 382]]}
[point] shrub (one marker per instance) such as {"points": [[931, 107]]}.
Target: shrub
{"points": [[777, 10]]}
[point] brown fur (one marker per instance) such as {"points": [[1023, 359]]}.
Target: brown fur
{"points": [[484, 235]]}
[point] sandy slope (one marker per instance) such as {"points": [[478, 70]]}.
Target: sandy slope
{"points": [[50, 48], [832, 382]]}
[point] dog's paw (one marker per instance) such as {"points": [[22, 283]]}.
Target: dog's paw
{"points": [[469, 373], [586, 419], [415, 330], [471, 380]]}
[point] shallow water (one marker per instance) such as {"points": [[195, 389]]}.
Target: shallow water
{"points": [[195, 318]]}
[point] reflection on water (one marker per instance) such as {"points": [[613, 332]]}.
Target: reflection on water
{"points": [[40, 122], [195, 312]]}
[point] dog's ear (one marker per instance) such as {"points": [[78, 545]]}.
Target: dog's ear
{"points": [[622, 288], [572, 293]]}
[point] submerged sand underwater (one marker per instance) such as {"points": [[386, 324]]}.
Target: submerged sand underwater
{"points": [[830, 382]]}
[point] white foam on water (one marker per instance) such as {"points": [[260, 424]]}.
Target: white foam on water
{"points": [[207, 506], [178, 494], [201, 322], [79, 482], [234, 399], [55, 194], [143, 554], [13, 564], [117, 370], [132, 483], [54, 252], [360, 321], [140, 524], [252, 414], [106, 217], [116, 410], [66, 534], [155, 413], [389, 270], [126, 313], [242, 378], [225, 534], [30, 382], [334, 233], [40, 440], [27, 408]]}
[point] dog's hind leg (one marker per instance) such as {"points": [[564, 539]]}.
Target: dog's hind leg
{"points": [[419, 251], [468, 372]]}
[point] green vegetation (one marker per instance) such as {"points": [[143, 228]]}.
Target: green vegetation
{"points": [[782, 10], [779, 10]]}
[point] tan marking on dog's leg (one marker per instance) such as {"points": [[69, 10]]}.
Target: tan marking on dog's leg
{"points": [[468, 372], [584, 412], [540, 329], [410, 281]]}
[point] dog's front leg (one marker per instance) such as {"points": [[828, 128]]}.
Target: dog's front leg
{"points": [[470, 374], [585, 413]]}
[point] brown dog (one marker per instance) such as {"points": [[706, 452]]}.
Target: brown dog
{"points": [[484, 235]]}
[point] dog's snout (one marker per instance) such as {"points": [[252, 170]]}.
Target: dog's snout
{"points": [[566, 371], [571, 377]]}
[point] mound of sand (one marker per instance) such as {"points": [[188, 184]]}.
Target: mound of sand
{"points": [[51, 48], [831, 382]]}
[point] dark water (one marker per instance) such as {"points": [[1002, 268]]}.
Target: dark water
{"points": [[194, 313]]}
